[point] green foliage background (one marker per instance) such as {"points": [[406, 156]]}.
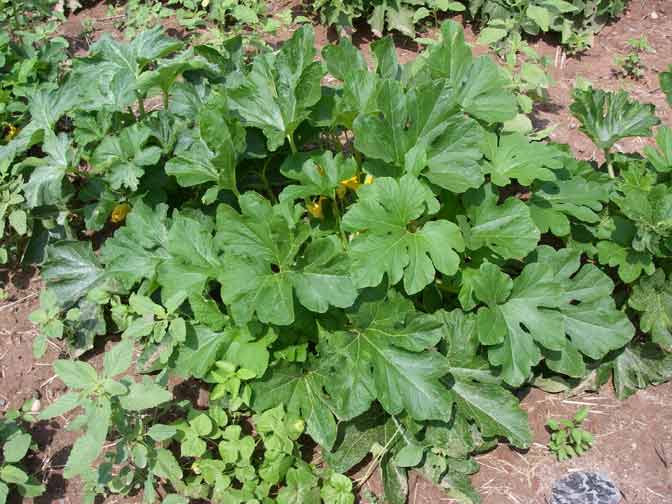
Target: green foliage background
{"points": [[576, 21]]}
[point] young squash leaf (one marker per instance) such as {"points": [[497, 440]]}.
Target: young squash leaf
{"points": [[299, 388], [453, 476], [167, 71], [661, 158], [136, 250], [481, 87], [507, 229], [384, 357], [576, 194], [420, 129], [545, 313], [387, 62], [319, 174], [119, 66], [666, 84], [278, 93], [394, 16], [123, 158], [515, 157], [71, 270], [631, 263], [267, 264], [47, 184], [648, 207], [214, 154], [608, 117], [344, 60], [392, 242], [357, 95], [638, 366], [652, 297]]}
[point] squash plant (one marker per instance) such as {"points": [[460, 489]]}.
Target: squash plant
{"points": [[376, 266]]}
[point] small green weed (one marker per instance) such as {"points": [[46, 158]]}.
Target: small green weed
{"points": [[88, 30], [631, 65], [530, 80], [16, 444], [568, 439]]}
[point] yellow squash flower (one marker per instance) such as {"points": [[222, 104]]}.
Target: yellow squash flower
{"points": [[12, 131], [351, 183], [315, 208], [120, 212]]}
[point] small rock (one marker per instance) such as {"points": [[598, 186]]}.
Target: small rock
{"points": [[585, 488], [203, 398], [35, 407], [654, 15], [3, 403]]}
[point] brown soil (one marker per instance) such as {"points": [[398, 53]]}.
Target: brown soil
{"points": [[633, 438], [645, 17], [23, 377], [633, 447]]}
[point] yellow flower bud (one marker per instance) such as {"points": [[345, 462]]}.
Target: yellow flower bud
{"points": [[368, 179], [120, 212], [12, 131], [315, 208], [351, 183], [299, 425]]}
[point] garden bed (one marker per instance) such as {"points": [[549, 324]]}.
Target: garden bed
{"points": [[633, 438]]}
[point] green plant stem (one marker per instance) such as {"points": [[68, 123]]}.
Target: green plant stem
{"points": [[264, 180], [141, 106], [610, 165], [337, 216], [292, 145], [165, 100], [358, 157], [446, 288], [234, 190]]}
